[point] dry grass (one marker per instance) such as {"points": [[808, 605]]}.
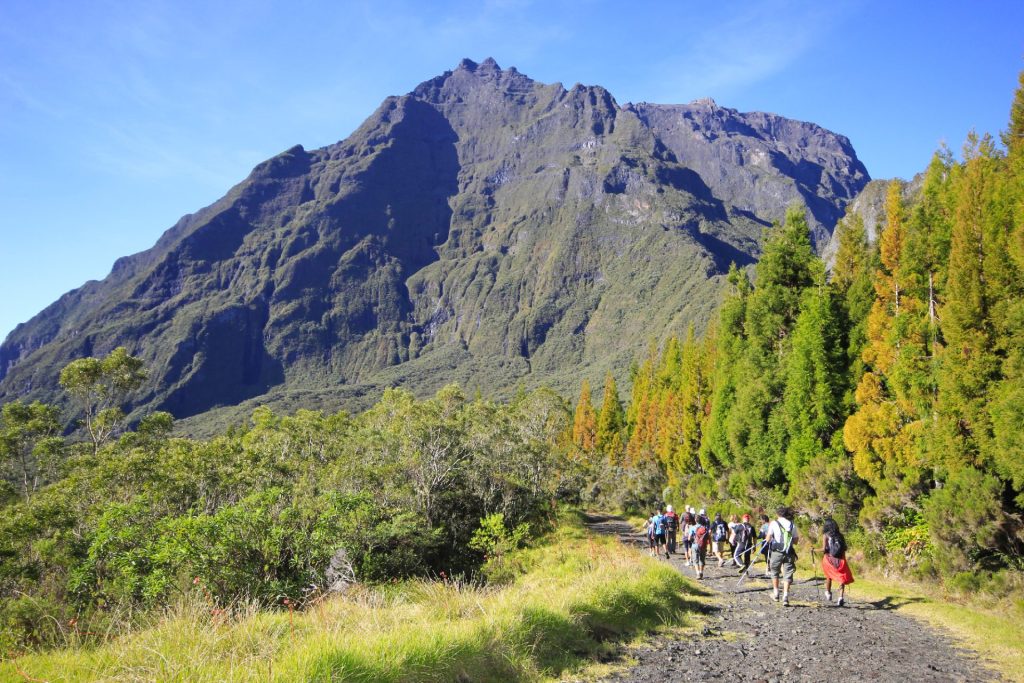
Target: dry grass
{"points": [[578, 592]]}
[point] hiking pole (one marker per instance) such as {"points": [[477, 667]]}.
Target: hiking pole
{"points": [[747, 570], [817, 588]]}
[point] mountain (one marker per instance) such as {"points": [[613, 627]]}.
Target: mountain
{"points": [[484, 228], [870, 205]]}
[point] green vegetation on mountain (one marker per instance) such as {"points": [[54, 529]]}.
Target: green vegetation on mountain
{"points": [[889, 396], [484, 229]]}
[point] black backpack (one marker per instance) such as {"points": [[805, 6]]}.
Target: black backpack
{"points": [[835, 546], [719, 531], [671, 522], [743, 533]]}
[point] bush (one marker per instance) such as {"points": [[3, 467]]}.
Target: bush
{"points": [[965, 518]]}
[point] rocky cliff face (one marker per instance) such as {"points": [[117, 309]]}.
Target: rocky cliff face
{"points": [[484, 228]]}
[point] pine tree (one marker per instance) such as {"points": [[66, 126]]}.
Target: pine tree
{"points": [[815, 383], [584, 423], [969, 363], [611, 422], [731, 347], [884, 432]]}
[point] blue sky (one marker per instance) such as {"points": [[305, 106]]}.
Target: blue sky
{"points": [[118, 117]]}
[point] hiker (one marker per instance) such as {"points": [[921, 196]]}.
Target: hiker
{"points": [[833, 562], [719, 535], [734, 523], [671, 529], [700, 537], [742, 544], [656, 531], [762, 537], [782, 534], [651, 526], [688, 521]]}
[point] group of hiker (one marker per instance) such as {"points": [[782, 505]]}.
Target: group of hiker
{"points": [[696, 534]]}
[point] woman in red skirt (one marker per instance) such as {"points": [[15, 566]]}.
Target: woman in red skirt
{"points": [[833, 562]]}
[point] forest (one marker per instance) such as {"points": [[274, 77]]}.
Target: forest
{"points": [[886, 392]]}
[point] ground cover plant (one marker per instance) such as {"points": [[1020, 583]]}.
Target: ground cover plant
{"points": [[570, 594]]}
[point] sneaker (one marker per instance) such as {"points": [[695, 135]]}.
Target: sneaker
{"points": [[775, 594], [741, 570], [839, 602], [785, 600], [828, 596]]}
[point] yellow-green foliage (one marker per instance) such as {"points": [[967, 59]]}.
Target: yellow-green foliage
{"points": [[577, 590]]}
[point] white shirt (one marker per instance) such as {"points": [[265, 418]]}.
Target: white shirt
{"points": [[775, 530]]}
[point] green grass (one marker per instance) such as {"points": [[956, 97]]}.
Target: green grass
{"points": [[578, 593], [993, 635]]}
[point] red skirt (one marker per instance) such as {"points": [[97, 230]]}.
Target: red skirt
{"points": [[838, 572]]}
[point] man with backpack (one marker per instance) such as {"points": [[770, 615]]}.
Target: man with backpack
{"points": [[742, 543], [719, 535], [782, 535], [671, 529], [656, 532], [700, 538]]}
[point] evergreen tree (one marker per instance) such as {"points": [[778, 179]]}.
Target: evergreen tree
{"points": [[611, 422], [969, 361], [584, 423], [883, 434], [815, 382]]}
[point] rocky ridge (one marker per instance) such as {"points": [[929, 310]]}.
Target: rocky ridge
{"points": [[484, 228]]}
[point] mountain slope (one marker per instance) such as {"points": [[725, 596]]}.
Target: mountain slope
{"points": [[484, 228]]}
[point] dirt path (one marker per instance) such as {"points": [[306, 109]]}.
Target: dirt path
{"points": [[749, 637]]}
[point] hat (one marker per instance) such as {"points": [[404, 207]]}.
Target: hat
{"points": [[746, 518], [702, 511], [671, 509]]}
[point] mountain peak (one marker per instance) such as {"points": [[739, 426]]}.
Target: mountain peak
{"points": [[488, 66], [469, 76]]}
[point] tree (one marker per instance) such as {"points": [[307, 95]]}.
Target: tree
{"points": [[611, 422], [884, 433], [813, 396], [584, 423], [29, 441], [99, 387]]}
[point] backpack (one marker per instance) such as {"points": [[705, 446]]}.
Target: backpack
{"points": [[835, 546], [743, 533], [671, 521], [700, 537], [720, 531], [786, 546]]}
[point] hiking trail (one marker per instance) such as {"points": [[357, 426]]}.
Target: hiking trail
{"points": [[749, 637]]}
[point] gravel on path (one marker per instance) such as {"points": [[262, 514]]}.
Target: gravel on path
{"points": [[749, 637]]}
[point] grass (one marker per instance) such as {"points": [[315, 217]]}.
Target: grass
{"points": [[994, 636], [578, 592]]}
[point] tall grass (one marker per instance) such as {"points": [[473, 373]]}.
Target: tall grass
{"points": [[577, 591]]}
